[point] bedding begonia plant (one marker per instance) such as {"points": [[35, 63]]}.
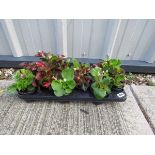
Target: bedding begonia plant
{"points": [[61, 76]]}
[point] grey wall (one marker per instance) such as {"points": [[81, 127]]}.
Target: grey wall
{"points": [[124, 39], [26, 37]]}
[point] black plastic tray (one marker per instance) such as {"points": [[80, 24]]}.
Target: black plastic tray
{"points": [[76, 95]]}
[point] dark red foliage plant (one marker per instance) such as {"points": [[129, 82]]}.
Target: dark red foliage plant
{"points": [[82, 75], [48, 69]]}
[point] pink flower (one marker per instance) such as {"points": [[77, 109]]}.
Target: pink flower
{"points": [[40, 64], [34, 84], [46, 84]]}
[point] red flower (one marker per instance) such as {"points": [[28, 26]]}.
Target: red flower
{"points": [[40, 64], [40, 54], [46, 84]]}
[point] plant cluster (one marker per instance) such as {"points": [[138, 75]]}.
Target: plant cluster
{"points": [[101, 84], [61, 76], [23, 81], [112, 68], [65, 85], [48, 69], [81, 75]]}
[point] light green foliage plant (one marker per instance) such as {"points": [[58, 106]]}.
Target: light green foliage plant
{"points": [[65, 85], [76, 63], [23, 81], [101, 84], [112, 68]]}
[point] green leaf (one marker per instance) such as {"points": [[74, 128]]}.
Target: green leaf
{"points": [[64, 85], [68, 74], [59, 92], [107, 89], [120, 70], [106, 81], [95, 72], [94, 85], [115, 62], [86, 65], [71, 84], [68, 91], [76, 64], [99, 93], [56, 85], [120, 77], [118, 81]]}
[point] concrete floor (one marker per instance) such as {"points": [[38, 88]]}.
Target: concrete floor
{"points": [[135, 116]]}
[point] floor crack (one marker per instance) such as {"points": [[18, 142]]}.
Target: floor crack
{"points": [[143, 110]]}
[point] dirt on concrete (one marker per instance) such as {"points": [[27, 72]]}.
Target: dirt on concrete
{"points": [[6, 73], [140, 79]]}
